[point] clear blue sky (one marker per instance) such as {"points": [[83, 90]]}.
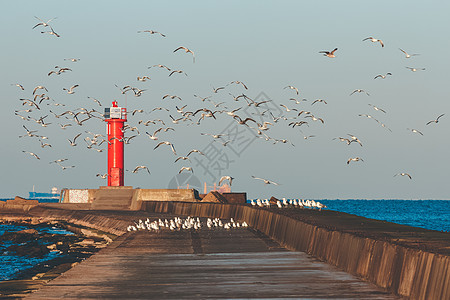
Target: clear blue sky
{"points": [[268, 45]]}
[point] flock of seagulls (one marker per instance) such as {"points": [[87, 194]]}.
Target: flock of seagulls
{"points": [[189, 223], [285, 203], [41, 109]]}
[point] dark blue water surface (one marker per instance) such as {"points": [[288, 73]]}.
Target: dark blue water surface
{"points": [[429, 214], [41, 200], [10, 264]]}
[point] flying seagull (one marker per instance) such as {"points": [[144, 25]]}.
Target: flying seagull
{"points": [[186, 168], [229, 178], [377, 108], [265, 181], [51, 32], [354, 159], [403, 174], [18, 85], [103, 176], [152, 32], [415, 131], [72, 143], [70, 90], [140, 167], [195, 151], [359, 91], [406, 54], [329, 53], [292, 88], [374, 40], [187, 51], [166, 143], [32, 154], [415, 69], [435, 121], [43, 23], [383, 76]]}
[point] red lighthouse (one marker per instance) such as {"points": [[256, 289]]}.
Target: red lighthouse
{"points": [[115, 116]]}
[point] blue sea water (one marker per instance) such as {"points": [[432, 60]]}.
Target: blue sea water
{"points": [[10, 264], [429, 214], [41, 200]]}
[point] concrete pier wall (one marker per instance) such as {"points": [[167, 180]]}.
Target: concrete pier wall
{"points": [[166, 195], [411, 273]]}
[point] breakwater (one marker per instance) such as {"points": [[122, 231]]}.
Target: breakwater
{"points": [[406, 261], [408, 272]]}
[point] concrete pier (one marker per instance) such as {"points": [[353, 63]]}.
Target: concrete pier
{"points": [[240, 263], [380, 259]]}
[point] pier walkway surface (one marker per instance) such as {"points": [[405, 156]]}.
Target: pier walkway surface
{"points": [[205, 263], [289, 253]]}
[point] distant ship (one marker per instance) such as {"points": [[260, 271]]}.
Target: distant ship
{"points": [[54, 195]]}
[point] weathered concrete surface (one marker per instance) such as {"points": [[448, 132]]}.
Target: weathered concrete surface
{"points": [[113, 198], [203, 264], [18, 204], [407, 261]]}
